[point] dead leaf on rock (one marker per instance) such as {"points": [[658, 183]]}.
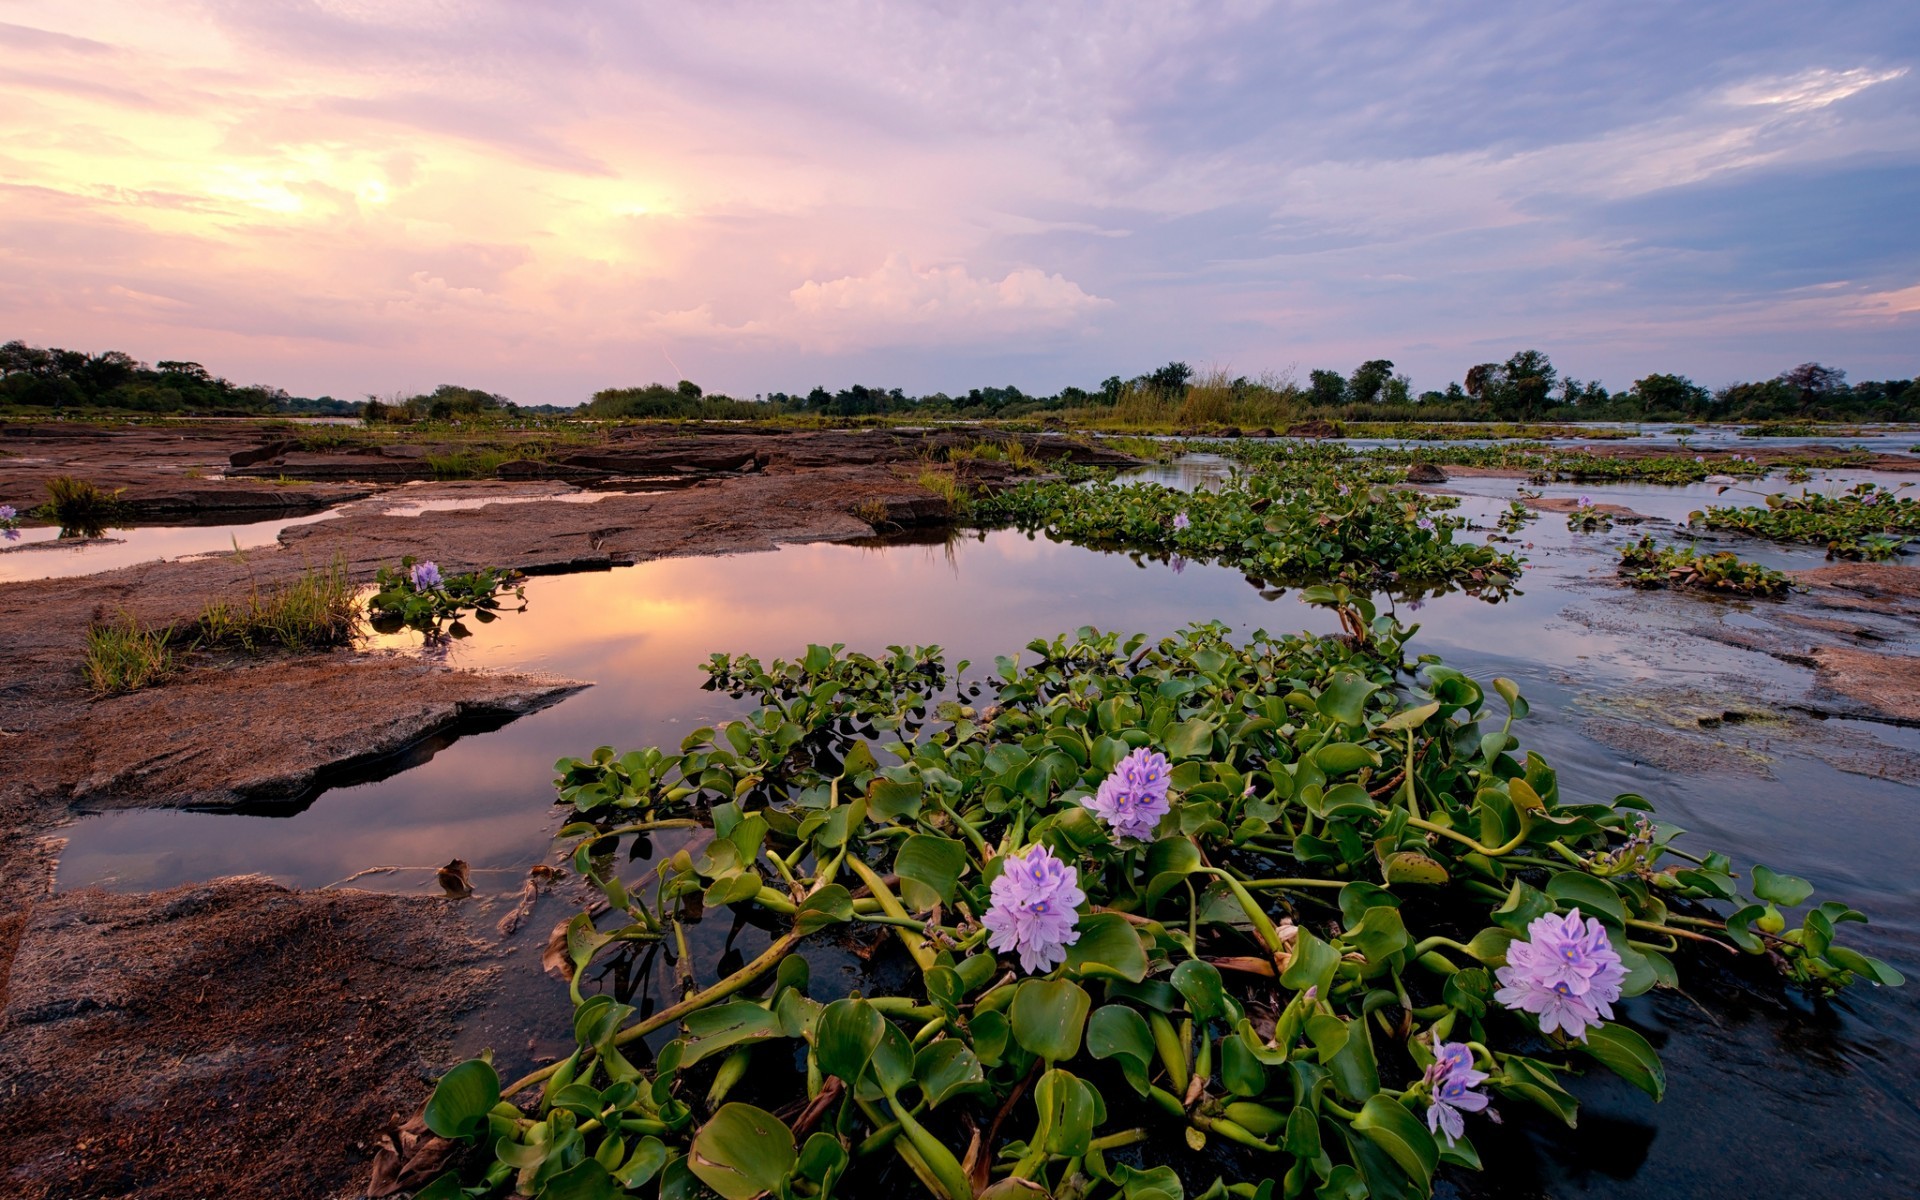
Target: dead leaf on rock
{"points": [[408, 1159], [454, 878]]}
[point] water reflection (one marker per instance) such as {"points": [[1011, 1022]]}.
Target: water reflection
{"points": [[39, 555]]}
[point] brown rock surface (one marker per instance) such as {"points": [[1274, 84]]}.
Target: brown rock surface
{"points": [[232, 1038], [223, 737], [1881, 684]]}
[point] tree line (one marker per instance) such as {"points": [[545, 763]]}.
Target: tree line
{"points": [[1525, 387]]}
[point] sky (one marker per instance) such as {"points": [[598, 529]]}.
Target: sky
{"points": [[541, 199]]}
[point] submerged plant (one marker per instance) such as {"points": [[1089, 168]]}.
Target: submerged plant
{"points": [[1365, 915]]}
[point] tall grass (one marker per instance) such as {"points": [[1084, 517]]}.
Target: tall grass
{"points": [[123, 657], [1213, 400], [947, 486], [315, 610], [1011, 451]]}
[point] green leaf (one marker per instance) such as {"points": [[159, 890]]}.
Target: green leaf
{"points": [[1239, 1069], [1595, 897], [446, 1187], [462, 1099], [945, 1069], [845, 1037], [1048, 1016], [1200, 983], [1069, 1110], [1116, 1030], [1380, 935], [1109, 948], [1191, 739], [1629, 1056], [743, 1151], [1387, 1124], [1525, 903], [1411, 866], [1313, 965], [887, 799], [586, 1180], [1341, 758], [929, 866], [712, 1030], [1784, 890], [831, 905], [1345, 699]]}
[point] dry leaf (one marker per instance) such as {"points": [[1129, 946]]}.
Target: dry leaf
{"points": [[408, 1159], [454, 878]]}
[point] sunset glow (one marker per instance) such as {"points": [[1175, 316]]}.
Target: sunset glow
{"points": [[352, 198]]}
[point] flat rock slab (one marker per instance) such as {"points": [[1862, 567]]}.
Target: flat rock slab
{"points": [[231, 1038], [1878, 683], [274, 733]]}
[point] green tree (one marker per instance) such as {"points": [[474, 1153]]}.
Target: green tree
{"points": [[1369, 378]]}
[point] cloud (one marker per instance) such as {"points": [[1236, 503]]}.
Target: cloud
{"points": [[937, 304], [1809, 90]]}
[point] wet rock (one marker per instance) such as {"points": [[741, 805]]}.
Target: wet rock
{"points": [[1425, 472], [1315, 428]]}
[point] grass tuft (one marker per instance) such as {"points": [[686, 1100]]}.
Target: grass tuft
{"points": [[80, 506], [123, 657], [316, 610]]}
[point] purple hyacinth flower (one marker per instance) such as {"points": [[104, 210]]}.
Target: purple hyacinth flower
{"points": [[1178, 564], [1566, 973], [1425, 523], [1451, 1098], [1033, 909], [1586, 502], [7, 513], [1180, 521], [1454, 1079], [1134, 798], [425, 576]]}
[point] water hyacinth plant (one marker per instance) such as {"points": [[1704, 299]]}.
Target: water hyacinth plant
{"points": [[1588, 517], [417, 596], [1365, 917], [1864, 522], [9, 522], [1645, 564], [1274, 530]]}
